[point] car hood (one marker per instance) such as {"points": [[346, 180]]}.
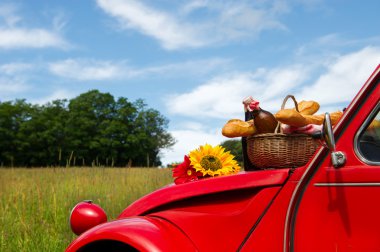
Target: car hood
{"points": [[172, 192]]}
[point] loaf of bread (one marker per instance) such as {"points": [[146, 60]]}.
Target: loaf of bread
{"points": [[308, 107], [238, 128], [293, 118]]}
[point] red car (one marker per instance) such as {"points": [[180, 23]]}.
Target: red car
{"points": [[329, 204]]}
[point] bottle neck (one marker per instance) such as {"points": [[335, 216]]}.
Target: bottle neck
{"points": [[256, 112]]}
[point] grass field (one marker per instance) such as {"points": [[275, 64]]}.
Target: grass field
{"points": [[35, 203]]}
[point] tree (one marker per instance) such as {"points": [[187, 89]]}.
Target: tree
{"points": [[12, 116], [92, 128], [89, 114], [101, 129], [45, 133], [118, 140]]}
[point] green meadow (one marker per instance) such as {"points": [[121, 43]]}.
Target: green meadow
{"points": [[35, 204]]}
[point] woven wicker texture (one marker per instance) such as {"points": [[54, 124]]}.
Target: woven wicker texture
{"points": [[278, 150]]}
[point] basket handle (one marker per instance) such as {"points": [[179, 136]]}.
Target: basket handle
{"points": [[278, 127], [286, 99]]}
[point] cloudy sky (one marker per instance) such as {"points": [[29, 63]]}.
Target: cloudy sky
{"points": [[192, 60]]}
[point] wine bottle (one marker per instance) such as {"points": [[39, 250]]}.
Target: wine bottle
{"points": [[265, 122]]}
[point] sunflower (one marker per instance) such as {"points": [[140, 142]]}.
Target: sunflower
{"points": [[213, 161]]}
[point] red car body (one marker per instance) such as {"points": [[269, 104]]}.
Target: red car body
{"points": [[317, 207]]}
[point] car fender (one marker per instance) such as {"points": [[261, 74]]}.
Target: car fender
{"points": [[142, 233]]}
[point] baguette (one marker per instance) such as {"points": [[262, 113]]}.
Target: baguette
{"points": [[308, 107], [293, 118], [238, 128]]}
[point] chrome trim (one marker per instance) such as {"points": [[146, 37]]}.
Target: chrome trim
{"points": [[361, 129], [348, 111], [346, 184]]}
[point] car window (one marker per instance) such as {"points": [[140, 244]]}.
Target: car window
{"points": [[369, 139]]}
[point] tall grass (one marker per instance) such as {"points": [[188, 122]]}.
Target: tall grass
{"points": [[35, 203]]}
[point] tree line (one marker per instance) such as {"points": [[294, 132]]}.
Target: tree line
{"points": [[93, 129]]}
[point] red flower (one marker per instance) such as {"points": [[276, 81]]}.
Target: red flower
{"points": [[184, 172]]}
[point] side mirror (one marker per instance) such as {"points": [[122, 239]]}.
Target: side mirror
{"points": [[327, 132], [338, 158]]}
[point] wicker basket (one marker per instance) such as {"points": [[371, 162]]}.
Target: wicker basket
{"points": [[278, 150]]}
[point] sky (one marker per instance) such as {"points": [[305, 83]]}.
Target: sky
{"points": [[194, 61]]}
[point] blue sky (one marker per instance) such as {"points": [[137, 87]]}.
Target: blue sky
{"points": [[194, 60]]}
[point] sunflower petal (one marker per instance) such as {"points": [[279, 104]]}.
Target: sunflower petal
{"points": [[213, 161]]}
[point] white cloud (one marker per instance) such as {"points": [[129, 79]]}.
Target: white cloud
{"points": [[311, 3], [343, 77], [59, 21], [219, 98], [13, 81], [8, 14], [160, 25], [10, 86], [188, 140], [14, 35], [12, 68], [278, 80], [191, 125], [194, 5], [11, 38], [225, 21], [81, 69], [329, 46], [196, 67], [89, 69], [222, 96], [340, 79]]}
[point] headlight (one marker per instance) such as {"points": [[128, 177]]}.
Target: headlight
{"points": [[86, 215]]}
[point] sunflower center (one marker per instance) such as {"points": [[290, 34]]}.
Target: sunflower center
{"points": [[210, 162]]}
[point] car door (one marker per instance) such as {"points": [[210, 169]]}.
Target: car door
{"points": [[338, 208]]}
